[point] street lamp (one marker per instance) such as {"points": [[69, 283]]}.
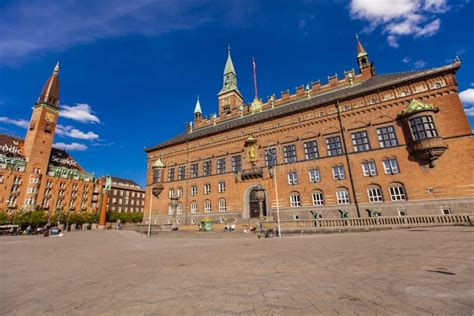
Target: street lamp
{"points": [[156, 188], [174, 204]]}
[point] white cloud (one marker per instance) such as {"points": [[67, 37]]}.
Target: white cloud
{"points": [[72, 132], [406, 60], [20, 122], [420, 63], [71, 147], [81, 112], [398, 18], [467, 97]]}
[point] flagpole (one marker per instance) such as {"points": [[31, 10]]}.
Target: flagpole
{"points": [[255, 77]]}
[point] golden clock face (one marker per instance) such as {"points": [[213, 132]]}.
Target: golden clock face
{"points": [[49, 117]]}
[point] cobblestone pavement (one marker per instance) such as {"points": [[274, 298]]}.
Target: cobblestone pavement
{"points": [[416, 272]]}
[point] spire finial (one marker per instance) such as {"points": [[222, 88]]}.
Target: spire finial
{"points": [[228, 49], [357, 36], [56, 68]]}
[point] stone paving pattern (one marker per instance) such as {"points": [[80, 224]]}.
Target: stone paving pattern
{"points": [[408, 272]]}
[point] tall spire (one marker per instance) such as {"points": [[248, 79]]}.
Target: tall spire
{"points": [[230, 76], [50, 93], [361, 52], [197, 108]]}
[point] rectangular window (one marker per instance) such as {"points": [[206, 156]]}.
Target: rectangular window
{"points": [[369, 169], [314, 175], [193, 207], [360, 141], [194, 190], [295, 200], [311, 150], [334, 146], [220, 165], [423, 127], [338, 172], [236, 163], [206, 167], [342, 197], [289, 153], [207, 189], [270, 157], [170, 174], [221, 187], [181, 172], [375, 194], [387, 137], [194, 170], [390, 166], [318, 198], [207, 206], [292, 178]]}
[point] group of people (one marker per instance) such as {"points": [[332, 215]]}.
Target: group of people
{"points": [[251, 229], [229, 228]]}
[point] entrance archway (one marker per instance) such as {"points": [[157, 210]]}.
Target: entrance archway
{"points": [[251, 205]]}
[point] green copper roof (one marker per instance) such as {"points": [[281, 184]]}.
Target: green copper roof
{"points": [[415, 106], [158, 163], [229, 66]]}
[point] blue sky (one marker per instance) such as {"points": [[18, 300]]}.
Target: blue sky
{"points": [[131, 70]]}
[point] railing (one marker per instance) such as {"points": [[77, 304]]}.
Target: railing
{"points": [[426, 220]]}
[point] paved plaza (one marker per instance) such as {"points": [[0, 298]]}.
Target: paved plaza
{"points": [[416, 272]]}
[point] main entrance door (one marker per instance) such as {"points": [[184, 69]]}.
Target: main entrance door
{"points": [[254, 206]]}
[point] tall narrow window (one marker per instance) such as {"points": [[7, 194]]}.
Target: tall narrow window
{"points": [[390, 166], [193, 207], [181, 172], [194, 170], [311, 150], [170, 174], [369, 169], [220, 165], [207, 206], [338, 172], [222, 205], [292, 178], [360, 141], [423, 127], [386, 136], [334, 146], [207, 188], [206, 167], [314, 175], [236, 163], [270, 157], [289, 153], [221, 187]]}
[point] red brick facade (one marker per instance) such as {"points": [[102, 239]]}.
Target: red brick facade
{"points": [[427, 173]]}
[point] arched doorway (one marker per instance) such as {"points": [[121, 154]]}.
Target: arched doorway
{"points": [[251, 208]]}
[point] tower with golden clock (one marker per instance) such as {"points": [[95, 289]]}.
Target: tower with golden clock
{"points": [[40, 135]]}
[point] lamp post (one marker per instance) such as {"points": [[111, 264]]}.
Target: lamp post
{"points": [[156, 188], [276, 198], [174, 204]]}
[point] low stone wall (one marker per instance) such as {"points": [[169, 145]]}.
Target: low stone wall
{"points": [[370, 223]]}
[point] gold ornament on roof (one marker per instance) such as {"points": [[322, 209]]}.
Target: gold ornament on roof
{"points": [[256, 106]]}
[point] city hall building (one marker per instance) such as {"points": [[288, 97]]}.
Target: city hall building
{"points": [[363, 145]]}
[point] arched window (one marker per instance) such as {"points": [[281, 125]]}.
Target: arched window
{"points": [[375, 194], [179, 208], [222, 205], [194, 207], [342, 196], [170, 193], [207, 206], [318, 198], [170, 209], [397, 192], [295, 200], [179, 192]]}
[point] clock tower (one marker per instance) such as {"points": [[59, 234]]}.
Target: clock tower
{"points": [[40, 134], [229, 98]]}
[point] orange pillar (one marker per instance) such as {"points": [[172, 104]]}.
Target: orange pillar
{"points": [[103, 210]]}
